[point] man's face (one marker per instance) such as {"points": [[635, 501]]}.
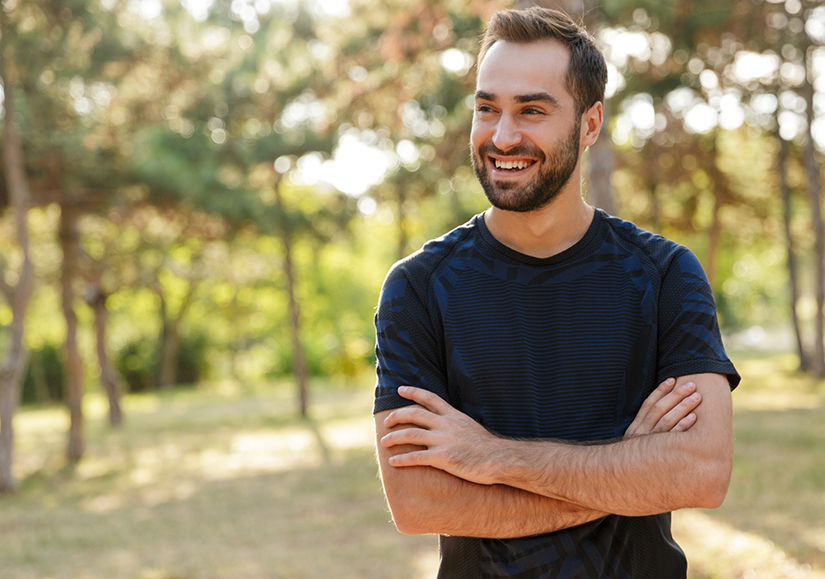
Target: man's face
{"points": [[526, 138]]}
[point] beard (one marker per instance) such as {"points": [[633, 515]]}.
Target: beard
{"points": [[555, 170]]}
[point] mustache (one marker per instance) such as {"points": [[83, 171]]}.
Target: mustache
{"points": [[518, 151]]}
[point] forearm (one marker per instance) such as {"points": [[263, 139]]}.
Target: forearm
{"points": [[426, 500], [635, 477], [642, 476], [639, 476]]}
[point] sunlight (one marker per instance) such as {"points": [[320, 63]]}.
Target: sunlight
{"points": [[355, 166], [426, 562], [349, 434], [749, 66], [716, 549]]}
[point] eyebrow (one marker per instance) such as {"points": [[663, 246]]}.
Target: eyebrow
{"points": [[540, 96]]}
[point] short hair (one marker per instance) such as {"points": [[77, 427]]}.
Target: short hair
{"points": [[586, 70]]}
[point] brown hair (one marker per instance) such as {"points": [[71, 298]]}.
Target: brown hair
{"points": [[586, 71]]}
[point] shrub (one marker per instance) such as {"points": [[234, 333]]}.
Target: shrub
{"points": [[136, 364], [45, 376], [192, 363]]}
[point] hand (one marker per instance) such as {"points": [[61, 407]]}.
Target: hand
{"points": [[667, 409], [451, 440]]}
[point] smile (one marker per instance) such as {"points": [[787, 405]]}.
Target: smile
{"points": [[517, 165]]}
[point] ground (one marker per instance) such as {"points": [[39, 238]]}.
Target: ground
{"points": [[224, 481]]}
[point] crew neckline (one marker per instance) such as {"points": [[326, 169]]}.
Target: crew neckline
{"points": [[571, 252]]}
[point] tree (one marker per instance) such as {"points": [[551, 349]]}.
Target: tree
{"points": [[17, 294]]}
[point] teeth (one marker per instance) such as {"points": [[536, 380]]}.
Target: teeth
{"points": [[512, 164]]}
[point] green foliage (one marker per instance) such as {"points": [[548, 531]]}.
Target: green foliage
{"points": [[192, 362], [44, 380], [166, 132], [135, 363]]}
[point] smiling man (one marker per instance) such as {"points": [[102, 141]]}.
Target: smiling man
{"points": [[517, 411]]}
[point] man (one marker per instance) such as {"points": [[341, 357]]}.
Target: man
{"points": [[515, 351]]}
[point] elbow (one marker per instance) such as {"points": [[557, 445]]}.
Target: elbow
{"points": [[713, 485], [406, 520], [715, 492]]}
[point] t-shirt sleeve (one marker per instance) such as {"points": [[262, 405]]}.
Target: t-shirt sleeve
{"points": [[406, 345], [689, 338]]}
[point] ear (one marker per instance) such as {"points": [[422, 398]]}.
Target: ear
{"points": [[591, 124]]}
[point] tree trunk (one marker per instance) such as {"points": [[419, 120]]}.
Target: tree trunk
{"points": [[11, 370], [814, 191], [11, 373], [784, 186], [169, 356], [602, 163], [170, 337], [96, 298], [651, 168], [720, 192], [69, 242], [298, 363], [713, 239]]}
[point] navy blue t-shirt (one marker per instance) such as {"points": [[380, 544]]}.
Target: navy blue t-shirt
{"points": [[566, 347]]}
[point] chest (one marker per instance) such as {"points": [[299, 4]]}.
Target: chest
{"points": [[565, 355]]}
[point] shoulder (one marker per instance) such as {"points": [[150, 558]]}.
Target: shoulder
{"points": [[423, 265], [659, 252]]}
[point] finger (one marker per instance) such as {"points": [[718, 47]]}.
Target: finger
{"points": [[414, 458], [414, 436], [671, 419], [685, 423], [414, 415], [668, 403], [425, 398], [660, 392]]}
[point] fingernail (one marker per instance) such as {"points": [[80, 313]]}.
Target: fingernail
{"points": [[694, 397]]}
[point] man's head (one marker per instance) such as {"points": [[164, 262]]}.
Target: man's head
{"points": [[535, 111], [586, 70]]}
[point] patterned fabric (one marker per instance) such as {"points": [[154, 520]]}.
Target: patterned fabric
{"points": [[566, 347]]}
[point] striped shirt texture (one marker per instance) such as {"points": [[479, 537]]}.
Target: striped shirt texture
{"points": [[566, 347]]}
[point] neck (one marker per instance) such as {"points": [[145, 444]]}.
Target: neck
{"points": [[544, 232]]}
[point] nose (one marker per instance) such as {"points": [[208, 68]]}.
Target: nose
{"points": [[507, 134]]}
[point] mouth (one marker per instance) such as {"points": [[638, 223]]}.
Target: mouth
{"points": [[510, 165]]}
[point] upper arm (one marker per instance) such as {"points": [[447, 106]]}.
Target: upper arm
{"points": [[407, 347], [409, 489], [710, 440], [689, 340]]}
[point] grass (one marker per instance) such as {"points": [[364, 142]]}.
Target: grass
{"points": [[225, 482]]}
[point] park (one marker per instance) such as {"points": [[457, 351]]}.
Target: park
{"points": [[199, 201]]}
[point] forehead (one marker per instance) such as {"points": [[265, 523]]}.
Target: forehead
{"points": [[511, 68]]}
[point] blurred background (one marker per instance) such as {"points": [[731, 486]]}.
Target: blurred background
{"points": [[199, 201]]}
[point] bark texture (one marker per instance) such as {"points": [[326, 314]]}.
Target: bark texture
{"points": [[69, 243], [298, 359], [96, 298], [814, 192], [17, 295], [170, 336], [793, 284]]}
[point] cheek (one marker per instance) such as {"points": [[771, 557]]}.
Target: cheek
{"points": [[480, 132], [475, 136]]}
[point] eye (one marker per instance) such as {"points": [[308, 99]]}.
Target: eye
{"points": [[482, 108], [533, 111]]}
